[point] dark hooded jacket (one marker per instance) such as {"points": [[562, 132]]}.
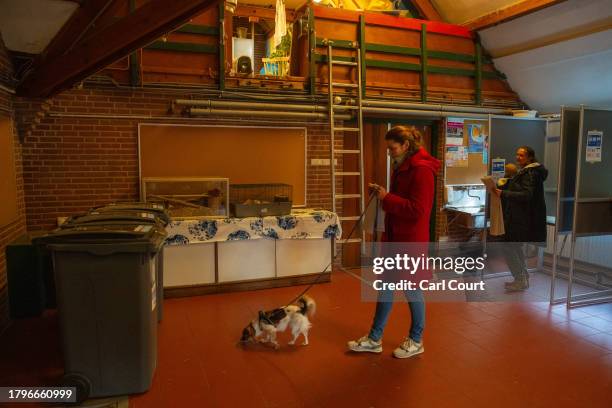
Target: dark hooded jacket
{"points": [[524, 206]]}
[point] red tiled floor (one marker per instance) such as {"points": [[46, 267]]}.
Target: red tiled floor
{"points": [[477, 355]]}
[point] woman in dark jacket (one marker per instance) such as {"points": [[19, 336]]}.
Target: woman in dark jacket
{"points": [[407, 210], [524, 214]]}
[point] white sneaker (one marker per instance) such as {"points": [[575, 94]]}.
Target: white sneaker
{"points": [[365, 344], [408, 348]]}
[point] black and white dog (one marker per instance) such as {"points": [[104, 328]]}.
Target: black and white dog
{"points": [[264, 328]]}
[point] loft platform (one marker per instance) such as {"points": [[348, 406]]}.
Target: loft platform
{"points": [[403, 58]]}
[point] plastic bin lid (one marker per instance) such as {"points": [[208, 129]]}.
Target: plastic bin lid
{"points": [[104, 239], [132, 205], [131, 217], [157, 209]]}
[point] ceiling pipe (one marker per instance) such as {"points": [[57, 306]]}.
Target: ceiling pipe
{"points": [[260, 113], [431, 114], [250, 105], [323, 116], [181, 119], [435, 107], [369, 106]]}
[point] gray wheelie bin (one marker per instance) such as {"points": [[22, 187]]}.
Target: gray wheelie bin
{"points": [[107, 303], [127, 216], [142, 209]]}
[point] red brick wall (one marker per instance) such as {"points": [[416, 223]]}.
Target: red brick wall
{"points": [[14, 229], [72, 163]]}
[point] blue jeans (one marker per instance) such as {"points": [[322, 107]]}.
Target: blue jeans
{"points": [[383, 309]]}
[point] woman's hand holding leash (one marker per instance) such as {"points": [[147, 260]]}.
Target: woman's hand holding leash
{"points": [[380, 191]]}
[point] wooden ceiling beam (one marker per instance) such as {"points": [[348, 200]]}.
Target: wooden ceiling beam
{"points": [[427, 10], [107, 45], [77, 25], [509, 13]]}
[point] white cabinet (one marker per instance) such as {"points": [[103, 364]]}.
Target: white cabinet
{"points": [[246, 260], [302, 256], [187, 265]]}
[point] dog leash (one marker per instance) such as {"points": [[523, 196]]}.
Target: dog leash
{"points": [[370, 199]]}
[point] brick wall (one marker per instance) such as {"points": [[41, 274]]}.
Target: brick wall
{"points": [[78, 153], [14, 229]]}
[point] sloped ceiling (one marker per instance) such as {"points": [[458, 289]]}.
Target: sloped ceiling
{"points": [[461, 11], [568, 19], [574, 72], [561, 55], [28, 25]]}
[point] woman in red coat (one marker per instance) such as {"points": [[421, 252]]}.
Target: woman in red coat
{"points": [[407, 209]]}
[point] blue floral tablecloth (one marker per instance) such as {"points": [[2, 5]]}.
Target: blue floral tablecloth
{"points": [[301, 224]]}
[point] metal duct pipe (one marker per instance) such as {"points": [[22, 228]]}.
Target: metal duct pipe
{"points": [[275, 114], [317, 115], [422, 113], [371, 105], [211, 104], [434, 107]]}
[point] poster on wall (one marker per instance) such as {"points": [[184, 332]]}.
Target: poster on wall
{"points": [[454, 132], [498, 168], [456, 156], [475, 137], [593, 147]]}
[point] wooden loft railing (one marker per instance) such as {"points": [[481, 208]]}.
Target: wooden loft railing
{"points": [[403, 58]]}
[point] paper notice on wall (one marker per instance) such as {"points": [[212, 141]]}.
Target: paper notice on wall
{"points": [[456, 156], [593, 147], [498, 168], [475, 137], [454, 132]]}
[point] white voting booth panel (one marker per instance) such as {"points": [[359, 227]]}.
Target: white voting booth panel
{"points": [[246, 260], [302, 257], [186, 265]]}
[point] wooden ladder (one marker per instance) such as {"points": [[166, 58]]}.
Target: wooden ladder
{"points": [[335, 105]]}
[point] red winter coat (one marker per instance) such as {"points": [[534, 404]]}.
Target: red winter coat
{"points": [[408, 204]]}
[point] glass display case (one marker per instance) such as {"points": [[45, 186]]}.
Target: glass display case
{"points": [[258, 200], [188, 197]]}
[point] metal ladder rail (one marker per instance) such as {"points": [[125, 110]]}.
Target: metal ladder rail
{"points": [[359, 129]]}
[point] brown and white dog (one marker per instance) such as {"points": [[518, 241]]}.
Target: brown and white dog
{"points": [[264, 328]]}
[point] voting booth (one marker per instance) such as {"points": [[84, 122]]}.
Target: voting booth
{"points": [[584, 202]]}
